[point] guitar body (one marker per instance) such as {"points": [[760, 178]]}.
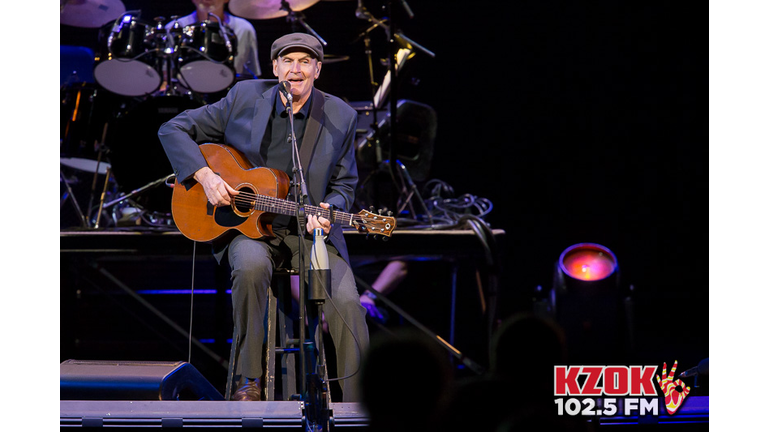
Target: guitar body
{"points": [[200, 221]]}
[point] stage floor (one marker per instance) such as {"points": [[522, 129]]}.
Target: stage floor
{"points": [[205, 414], [693, 415]]}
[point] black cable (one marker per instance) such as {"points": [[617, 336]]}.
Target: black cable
{"points": [[447, 209], [192, 300], [357, 342]]}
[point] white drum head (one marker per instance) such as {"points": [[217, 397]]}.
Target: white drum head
{"points": [[127, 77], [206, 77]]}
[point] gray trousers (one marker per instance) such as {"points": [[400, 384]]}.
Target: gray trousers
{"points": [[252, 263]]}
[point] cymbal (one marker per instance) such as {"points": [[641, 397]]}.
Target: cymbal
{"points": [[87, 165], [266, 9], [90, 13]]}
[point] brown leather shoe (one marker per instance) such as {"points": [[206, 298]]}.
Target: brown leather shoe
{"points": [[250, 391]]}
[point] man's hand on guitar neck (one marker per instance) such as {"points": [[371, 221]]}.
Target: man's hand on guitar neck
{"points": [[219, 193], [319, 221]]}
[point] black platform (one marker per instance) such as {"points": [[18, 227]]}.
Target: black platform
{"points": [[201, 414], [211, 415]]}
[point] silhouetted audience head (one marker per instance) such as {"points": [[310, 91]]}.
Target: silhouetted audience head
{"points": [[405, 378], [526, 345], [518, 389]]}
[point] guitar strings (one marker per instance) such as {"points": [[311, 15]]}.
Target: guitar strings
{"points": [[268, 203], [271, 204]]}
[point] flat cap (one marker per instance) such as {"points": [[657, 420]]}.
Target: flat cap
{"points": [[297, 40]]}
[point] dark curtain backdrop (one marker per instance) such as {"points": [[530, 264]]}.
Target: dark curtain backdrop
{"points": [[582, 121]]}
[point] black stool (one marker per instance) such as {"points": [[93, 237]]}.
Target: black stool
{"points": [[280, 340]]}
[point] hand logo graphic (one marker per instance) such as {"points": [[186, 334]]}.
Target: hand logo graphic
{"points": [[673, 398]]}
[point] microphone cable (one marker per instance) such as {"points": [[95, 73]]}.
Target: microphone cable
{"points": [[357, 342], [192, 301]]}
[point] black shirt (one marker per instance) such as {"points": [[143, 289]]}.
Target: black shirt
{"points": [[276, 147]]}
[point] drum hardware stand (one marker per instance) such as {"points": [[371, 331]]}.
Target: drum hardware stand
{"points": [[86, 218], [101, 201], [293, 17], [408, 191], [100, 146], [70, 195], [168, 53], [374, 139], [133, 193], [398, 173]]}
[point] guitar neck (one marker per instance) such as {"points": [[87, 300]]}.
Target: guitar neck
{"points": [[276, 205]]}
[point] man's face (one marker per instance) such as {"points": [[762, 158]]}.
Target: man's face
{"points": [[298, 68]]}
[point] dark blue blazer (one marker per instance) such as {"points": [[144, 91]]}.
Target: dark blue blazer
{"points": [[240, 120]]}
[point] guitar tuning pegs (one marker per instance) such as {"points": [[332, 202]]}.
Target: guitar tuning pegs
{"points": [[372, 209], [384, 238], [389, 213], [380, 211]]}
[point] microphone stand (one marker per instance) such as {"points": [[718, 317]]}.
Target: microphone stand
{"points": [[375, 139], [317, 405], [314, 390], [292, 17], [392, 31], [395, 38], [394, 34], [300, 195]]}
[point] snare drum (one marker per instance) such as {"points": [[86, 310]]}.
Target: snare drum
{"points": [[129, 65], [206, 57]]}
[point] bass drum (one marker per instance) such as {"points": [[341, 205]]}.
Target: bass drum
{"points": [[136, 154], [206, 57]]}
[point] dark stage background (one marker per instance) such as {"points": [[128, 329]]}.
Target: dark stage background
{"points": [[581, 121]]}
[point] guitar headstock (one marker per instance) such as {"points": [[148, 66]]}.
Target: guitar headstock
{"points": [[378, 224]]}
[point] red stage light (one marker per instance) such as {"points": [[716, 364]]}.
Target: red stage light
{"points": [[588, 262]]}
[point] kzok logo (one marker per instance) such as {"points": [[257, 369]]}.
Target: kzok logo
{"points": [[673, 397], [630, 382], [616, 381]]}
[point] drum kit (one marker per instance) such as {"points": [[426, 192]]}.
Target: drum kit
{"points": [[142, 74]]}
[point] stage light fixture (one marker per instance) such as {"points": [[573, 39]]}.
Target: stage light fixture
{"points": [[587, 301], [588, 262]]}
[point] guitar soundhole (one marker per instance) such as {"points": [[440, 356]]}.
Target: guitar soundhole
{"points": [[244, 202]]}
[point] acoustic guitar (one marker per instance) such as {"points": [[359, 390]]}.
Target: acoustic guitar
{"points": [[262, 196]]}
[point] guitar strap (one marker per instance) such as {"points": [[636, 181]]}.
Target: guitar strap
{"points": [[312, 131]]}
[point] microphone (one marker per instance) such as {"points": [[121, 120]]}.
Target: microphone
{"points": [[285, 89], [222, 32], [701, 369]]}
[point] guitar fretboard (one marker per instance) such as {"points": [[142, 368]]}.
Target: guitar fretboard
{"points": [[270, 204]]}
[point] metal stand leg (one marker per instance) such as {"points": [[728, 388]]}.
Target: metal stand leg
{"points": [[71, 195], [231, 378]]}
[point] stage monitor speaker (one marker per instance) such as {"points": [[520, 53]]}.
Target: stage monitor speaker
{"points": [[133, 380]]}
